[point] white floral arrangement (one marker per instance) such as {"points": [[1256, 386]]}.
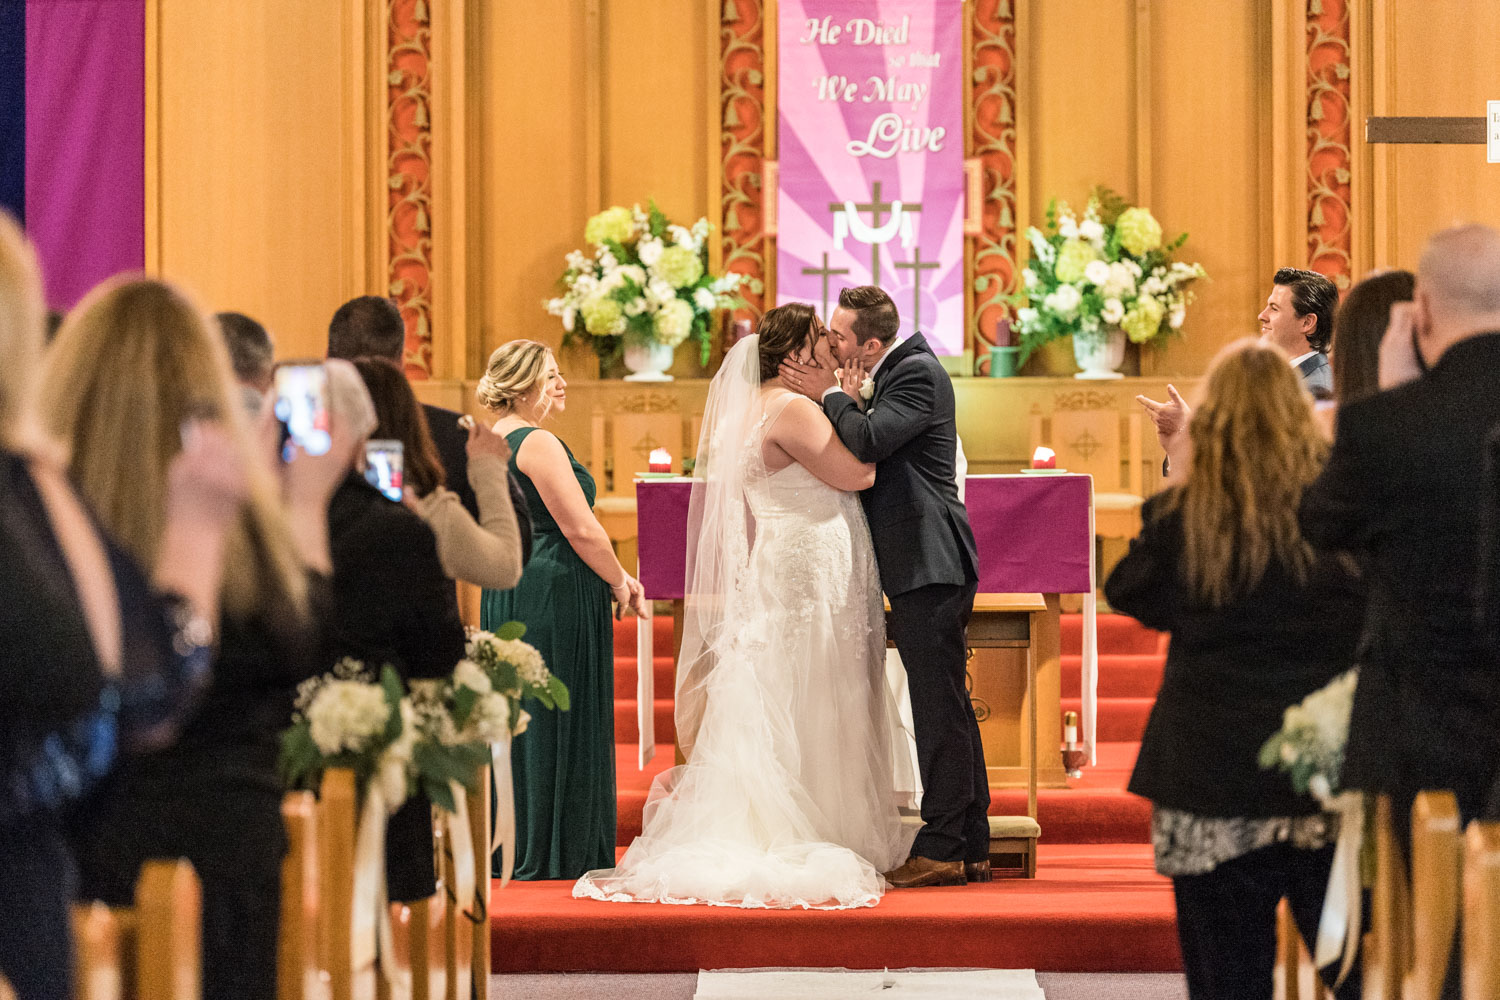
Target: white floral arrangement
{"points": [[1107, 270], [1310, 744], [514, 670], [645, 279]]}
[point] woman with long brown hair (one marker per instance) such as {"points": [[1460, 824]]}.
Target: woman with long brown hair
{"points": [[131, 365], [1258, 621]]}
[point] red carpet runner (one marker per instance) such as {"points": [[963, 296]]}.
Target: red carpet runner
{"points": [[1096, 905]]}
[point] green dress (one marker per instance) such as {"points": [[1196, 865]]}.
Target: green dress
{"points": [[564, 764]]}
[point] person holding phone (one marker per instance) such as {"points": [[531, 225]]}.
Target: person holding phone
{"points": [[392, 603], [564, 767], [134, 362], [487, 552]]}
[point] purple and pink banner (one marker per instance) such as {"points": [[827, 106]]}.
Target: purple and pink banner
{"points": [[72, 136], [871, 148]]}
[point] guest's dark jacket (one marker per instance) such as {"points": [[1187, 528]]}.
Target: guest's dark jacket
{"points": [[1231, 670], [1404, 492], [393, 604], [1317, 375], [451, 441], [918, 524]]}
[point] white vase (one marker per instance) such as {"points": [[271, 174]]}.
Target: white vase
{"points": [[1099, 354], [648, 360]]}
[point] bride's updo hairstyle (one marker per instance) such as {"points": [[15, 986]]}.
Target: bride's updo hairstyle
{"points": [[782, 331], [514, 371]]}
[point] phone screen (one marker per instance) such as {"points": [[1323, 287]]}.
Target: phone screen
{"points": [[384, 464], [302, 407]]}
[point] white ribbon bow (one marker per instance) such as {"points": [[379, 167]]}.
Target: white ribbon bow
{"points": [[1339, 926]]}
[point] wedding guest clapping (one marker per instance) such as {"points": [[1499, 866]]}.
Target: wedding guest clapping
{"points": [[392, 603], [486, 553], [95, 660], [565, 767], [1258, 621], [132, 364]]}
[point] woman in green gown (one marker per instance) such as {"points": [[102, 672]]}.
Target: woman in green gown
{"points": [[564, 764]]}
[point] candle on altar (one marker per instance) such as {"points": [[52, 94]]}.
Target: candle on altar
{"points": [[1003, 332], [660, 460], [1044, 458], [1070, 729]]}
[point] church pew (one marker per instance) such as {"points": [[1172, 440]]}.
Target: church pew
{"points": [[1481, 933], [297, 974], [1293, 963], [336, 829], [151, 951], [474, 915], [1436, 854], [1387, 946]]}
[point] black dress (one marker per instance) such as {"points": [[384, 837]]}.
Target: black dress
{"points": [[392, 603], [62, 727]]}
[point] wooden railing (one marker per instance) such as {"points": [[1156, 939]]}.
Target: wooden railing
{"points": [[151, 951]]}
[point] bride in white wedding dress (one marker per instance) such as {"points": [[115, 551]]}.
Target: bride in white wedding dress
{"points": [[788, 795]]}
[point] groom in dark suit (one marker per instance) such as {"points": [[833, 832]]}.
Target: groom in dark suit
{"points": [[929, 567]]}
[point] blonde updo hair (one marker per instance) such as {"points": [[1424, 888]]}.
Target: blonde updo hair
{"points": [[515, 369], [20, 333]]}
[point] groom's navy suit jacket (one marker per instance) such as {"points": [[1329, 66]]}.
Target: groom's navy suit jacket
{"points": [[919, 526]]}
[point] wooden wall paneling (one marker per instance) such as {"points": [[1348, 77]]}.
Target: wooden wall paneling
{"points": [[1362, 164], [455, 348], [363, 150], [1288, 133]]}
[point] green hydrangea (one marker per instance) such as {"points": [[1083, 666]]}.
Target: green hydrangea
{"points": [[1138, 230], [603, 317], [678, 267], [615, 224], [673, 322], [1142, 319], [1075, 256]]}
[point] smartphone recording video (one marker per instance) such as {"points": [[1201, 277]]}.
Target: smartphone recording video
{"points": [[302, 408], [384, 466]]}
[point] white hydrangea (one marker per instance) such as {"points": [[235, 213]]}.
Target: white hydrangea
{"points": [[345, 715], [1064, 301], [475, 639], [649, 250], [577, 261], [490, 719], [635, 273], [635, 306], [728, 283], [1153, 286], [1113, 311], [1121, 283], [658, 293], [1028, 276], [1092, 230], [705, 300], [1026, 316], [682, 237], [528, 662], [470, 675], [1096, 272], [1067, 226]]}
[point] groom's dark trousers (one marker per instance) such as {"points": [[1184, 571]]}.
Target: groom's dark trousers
{"points": [[929, 572]]}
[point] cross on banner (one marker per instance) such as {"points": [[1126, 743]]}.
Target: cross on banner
{"points": [[876, 208], [916, 266], [825, 271]]}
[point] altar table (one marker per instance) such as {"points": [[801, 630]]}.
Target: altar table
{"points": [[1035, 534]]}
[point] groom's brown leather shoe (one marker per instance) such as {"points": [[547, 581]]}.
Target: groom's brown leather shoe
{"points": [[978, 871], [920, 872]]}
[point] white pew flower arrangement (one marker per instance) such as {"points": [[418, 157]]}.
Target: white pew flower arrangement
{"points": [[1310, 748]]}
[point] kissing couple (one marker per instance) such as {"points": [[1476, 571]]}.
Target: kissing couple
{"points": [[826, 475]]}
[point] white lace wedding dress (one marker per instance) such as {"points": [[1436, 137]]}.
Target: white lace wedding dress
{"points": [[787, 799]]}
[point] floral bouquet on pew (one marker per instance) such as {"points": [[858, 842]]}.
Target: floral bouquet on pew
{"points": [[1310, 744], [515, 670]]}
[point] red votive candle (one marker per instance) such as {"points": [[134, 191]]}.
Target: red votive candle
{"points": [[660, 460], [1044, 458], [1002, 333]]}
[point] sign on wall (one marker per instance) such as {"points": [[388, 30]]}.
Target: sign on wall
{"points": [[871, 147]]}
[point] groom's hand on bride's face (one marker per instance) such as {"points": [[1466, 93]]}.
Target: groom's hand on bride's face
{"points": [[811, 380]]}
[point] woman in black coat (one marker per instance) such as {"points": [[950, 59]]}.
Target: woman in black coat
{"points": [[392, 603], [1258, 622]]}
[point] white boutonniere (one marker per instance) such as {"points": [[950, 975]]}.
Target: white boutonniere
{"points": [[867, 389]]}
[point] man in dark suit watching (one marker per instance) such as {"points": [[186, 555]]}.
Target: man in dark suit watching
{"points": [[371, 326], [1404, 492], [929, 566]]}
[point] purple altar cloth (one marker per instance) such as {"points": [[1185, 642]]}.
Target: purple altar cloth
{"points": [[1033, 532]]}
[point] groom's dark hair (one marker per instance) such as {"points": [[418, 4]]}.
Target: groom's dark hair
{"points": [[875, 314]]}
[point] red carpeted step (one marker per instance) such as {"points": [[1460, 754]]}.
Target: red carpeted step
{"points": [[1129, 675], [1117, 634], [1093, 908], [1095, 809], [625, 629], [663, 667], [627, 729], [1121, 720]]}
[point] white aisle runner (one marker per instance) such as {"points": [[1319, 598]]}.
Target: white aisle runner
{"points": [[837, 984]]}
